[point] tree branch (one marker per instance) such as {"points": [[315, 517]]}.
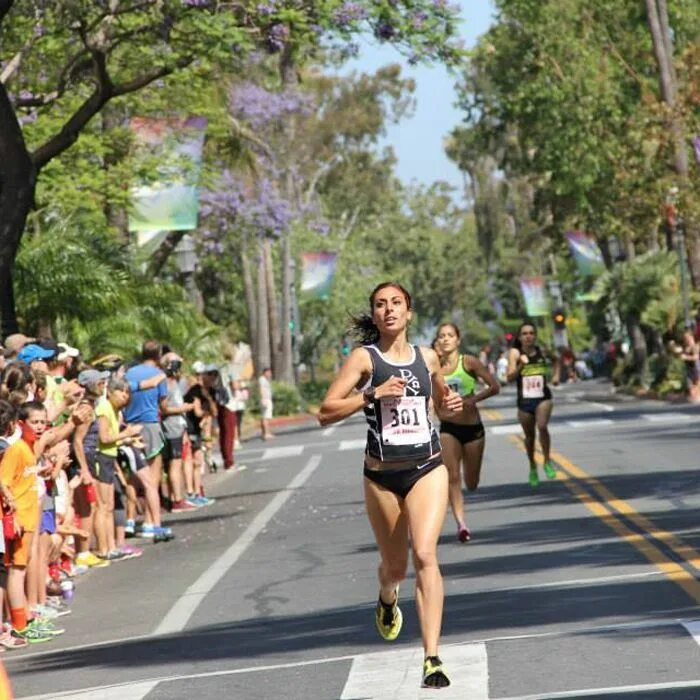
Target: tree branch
{"points": [[143, 80], [5, 7]]}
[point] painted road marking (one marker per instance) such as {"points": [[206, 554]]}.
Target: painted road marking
{"points": [[352, 444], [671, 416], [178, 616], [280, 452], [631, 690], [591, 423], [600, 406], [571, 475], [331, 428], [132, 691], [397, 675], [693, 627], [505, 429]]}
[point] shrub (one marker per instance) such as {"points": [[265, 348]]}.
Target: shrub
{"points": [[314, 391], [286, 399]]}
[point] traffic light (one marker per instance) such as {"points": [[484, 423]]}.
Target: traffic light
{"points": [[559, 318], [345, 350]]}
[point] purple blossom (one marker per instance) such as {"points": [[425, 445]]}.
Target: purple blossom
{"points": [[384, 31], [260, 107], [277, 37], [195, 3], [349, 13]]}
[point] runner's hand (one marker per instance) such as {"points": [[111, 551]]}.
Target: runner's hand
{"points": [[523, 359], [393, 388], [452, 401], [469, 401], [86, 478]]}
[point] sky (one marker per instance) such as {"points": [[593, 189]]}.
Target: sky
{"points": [[418, 141]]}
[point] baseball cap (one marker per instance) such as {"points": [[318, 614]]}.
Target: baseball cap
{"points": [[211, 368], [199, 367], [65, 351], [15, 342], [90, 376], [111, 362], [48, 344], [30, 353]]}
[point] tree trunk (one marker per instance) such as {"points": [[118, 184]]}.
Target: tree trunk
{"points": [[262, 359], [249, 291], [115, 214], [17, 185], [639, 349], [287, 366], [273, 313], [163, 252]]}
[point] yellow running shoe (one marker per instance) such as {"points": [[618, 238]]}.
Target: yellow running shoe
{"points": [[89, 559], [434, 673], [389, 618]]}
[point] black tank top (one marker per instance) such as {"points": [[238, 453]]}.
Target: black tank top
{"points": [[532, 379], [401, 429]]}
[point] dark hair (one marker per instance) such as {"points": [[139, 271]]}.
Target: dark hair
{"points": [[516, 340], [8, 414], [362, 327], [452, 325], [151, 350], [29, 407]]}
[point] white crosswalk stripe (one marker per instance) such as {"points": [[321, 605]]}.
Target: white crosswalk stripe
{"points": [[352, 444], [397, 675], [286, 451]]}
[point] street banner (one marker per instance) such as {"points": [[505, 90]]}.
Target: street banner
{"points": [[586, 252], [317, 271], [171, 202], [533, 290]]}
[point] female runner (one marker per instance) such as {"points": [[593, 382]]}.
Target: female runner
{"points": [[532, 366], [462, 432], [405, 480]]}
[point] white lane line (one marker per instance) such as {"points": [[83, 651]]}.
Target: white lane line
{"points": [[693, 627], [671, 416], [572, 583], [505, 429], [331, 429], [589, 423], [280, 452], [397, 675], [183, 609], [601, 406], [352, 444], [132, 691], [632, 690]]}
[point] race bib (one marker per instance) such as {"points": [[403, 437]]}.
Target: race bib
{"points": [[533, 386], [404, 421]]}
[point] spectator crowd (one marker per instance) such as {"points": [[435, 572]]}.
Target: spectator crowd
{"points": [[91, 455]]}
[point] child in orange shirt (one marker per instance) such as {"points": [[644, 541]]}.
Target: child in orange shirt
{"points": [[18, 472]]}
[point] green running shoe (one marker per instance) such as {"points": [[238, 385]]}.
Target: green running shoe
{"points": [[533, 479], [550, 470], [389, 618], [434, 673]]}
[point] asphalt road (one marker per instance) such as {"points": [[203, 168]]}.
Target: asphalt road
{"points": [[584, 587]]}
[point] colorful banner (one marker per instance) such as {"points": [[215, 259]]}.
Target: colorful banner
{"points": [[172, 202], [696, 148], [317, 271], [586, 252], [535, 296]]}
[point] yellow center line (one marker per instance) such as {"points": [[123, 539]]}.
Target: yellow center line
{"points": [[569, 473], [492, 413]]}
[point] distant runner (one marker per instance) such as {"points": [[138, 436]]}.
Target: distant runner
{"points": [[462, 432], [532, 366]]}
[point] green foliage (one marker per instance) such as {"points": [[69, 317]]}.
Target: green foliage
{"points": [[313, 391], [286, 399]]}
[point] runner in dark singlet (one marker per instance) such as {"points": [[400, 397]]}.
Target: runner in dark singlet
{"points": [[462, 432], [532, 367], [405, 480]]}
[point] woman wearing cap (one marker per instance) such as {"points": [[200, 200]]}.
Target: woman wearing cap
{"points": [[405, 480]]}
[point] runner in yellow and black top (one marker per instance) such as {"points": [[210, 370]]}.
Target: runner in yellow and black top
{"points": [[462, 432], [532, 367]]}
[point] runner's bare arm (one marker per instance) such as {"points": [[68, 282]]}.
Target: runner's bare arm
{"points": [[340, 401], [513, 365], [475, 366], [443, 396]]}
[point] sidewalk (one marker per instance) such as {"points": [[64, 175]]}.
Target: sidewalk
{"points": [[251, 427]]}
